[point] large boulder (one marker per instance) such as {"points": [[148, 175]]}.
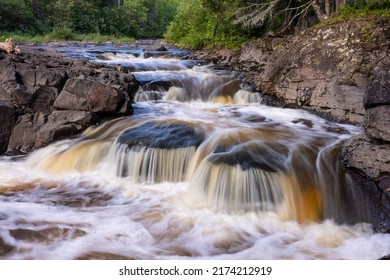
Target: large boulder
{"points": [[86, 95]]}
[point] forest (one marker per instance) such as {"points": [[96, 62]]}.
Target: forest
{"points": [[189, 23]]}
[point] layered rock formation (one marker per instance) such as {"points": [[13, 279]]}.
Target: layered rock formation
{"points": [[46, 97]]}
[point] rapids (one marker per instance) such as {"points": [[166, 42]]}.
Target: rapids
{"points": [[202, 170]]}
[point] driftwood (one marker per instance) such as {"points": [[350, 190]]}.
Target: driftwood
{"points": [[9, 47]]}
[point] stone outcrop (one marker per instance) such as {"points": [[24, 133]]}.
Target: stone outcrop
{"points": [[46, 97], [325, 69]]}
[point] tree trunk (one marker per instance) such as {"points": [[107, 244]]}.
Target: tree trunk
{"points": [[327, 8], [339, 4], [317, 9]]}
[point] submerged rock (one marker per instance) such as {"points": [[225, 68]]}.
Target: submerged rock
{"points": [[161, 135]]}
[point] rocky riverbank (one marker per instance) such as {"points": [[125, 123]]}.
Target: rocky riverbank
{"points": [[341, 71], [45, 96]]}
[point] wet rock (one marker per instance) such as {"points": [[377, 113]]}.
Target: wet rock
{"points": [[377, 122], [227, 90], [63, 124], [5, 248], [7, 122], [371, 158], [387, 257], [266, 156], [158, 85], [163, 136], [23, 135], [374, 203]]}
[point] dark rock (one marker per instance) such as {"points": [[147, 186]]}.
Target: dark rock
{"points": [[377, 122], [44, 98], [161, 135], [23, 136], [366, 198], [378, 91], [63, 124], [74, 95], [5, 248], [51, 78], [270, 157], [227, 89], [387, 257], [86, 95], [7, 122], [159, 85], [102, 98], [26, 76], [371, 158]]}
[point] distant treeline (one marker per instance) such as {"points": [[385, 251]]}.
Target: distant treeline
{"points": [[131, 18], [191, 23]]}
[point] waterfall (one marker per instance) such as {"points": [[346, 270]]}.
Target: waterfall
{"points": [[201, 170]]}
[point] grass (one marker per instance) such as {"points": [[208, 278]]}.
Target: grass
{"points": [[349, 13], [64, 34]]}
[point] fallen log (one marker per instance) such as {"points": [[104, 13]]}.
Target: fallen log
{"points": [[9, 47]]}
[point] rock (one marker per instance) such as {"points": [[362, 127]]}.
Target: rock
{"points": [[7, 122], [122, 81], [44, 98], [63, 124], [378, 91], [377, 122], [161, 136], [372, 200], [387, 257], [23, 135], [102, 98], [228, 89], [86, 95], [51, 78], [371, 158], [74, 95]]}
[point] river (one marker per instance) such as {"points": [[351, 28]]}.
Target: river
{"points": [[201, 170]]}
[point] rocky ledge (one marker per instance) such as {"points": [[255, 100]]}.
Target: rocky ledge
{"points": [[45, 96], [341, 71]]}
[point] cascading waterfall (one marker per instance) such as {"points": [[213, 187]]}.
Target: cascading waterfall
{"points": [[231, 166], [202, 169]]}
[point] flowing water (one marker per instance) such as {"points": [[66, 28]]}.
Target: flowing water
{"points": [[202, 170]]}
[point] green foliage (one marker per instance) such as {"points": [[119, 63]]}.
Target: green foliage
{"points": [[200, 23], [365, 8], [58, 18], [17, 15], [61, 34]]}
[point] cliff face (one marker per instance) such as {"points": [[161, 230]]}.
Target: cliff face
{"points": [[342, 71]]}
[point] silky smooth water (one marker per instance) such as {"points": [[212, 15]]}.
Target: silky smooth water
{"points": [[201, 170]]}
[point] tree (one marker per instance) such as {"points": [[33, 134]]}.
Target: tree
{"points": [[256, 13]]}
